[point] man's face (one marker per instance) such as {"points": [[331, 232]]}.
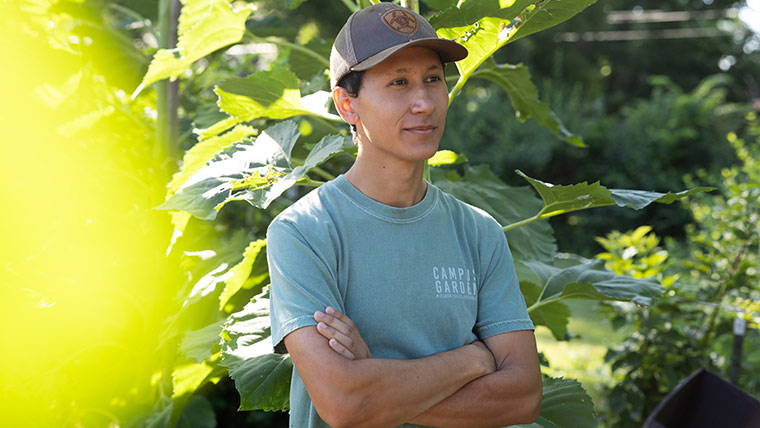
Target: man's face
{"points": [[402, 105]]}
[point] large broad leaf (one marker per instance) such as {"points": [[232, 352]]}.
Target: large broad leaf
{"points": [[515, 79], [481, 188], [200, 344], [261, 378], [255, 172], [273, 94], [251, 271], [563, 199], [204, 27], [564, 404], [545, 286], [498, 26], [188, 378], [203, 151], [472, 11]]}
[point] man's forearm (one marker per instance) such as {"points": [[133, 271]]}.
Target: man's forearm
{"points": [[495, 400], [379, 392]]}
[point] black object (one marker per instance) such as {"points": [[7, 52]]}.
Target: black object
{"points": [[704, 400]]}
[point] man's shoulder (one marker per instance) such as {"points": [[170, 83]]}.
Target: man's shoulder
{"points": [[310, 210]]}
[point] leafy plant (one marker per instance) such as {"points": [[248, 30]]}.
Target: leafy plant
{"points": [[226, 294], [691, 326]]}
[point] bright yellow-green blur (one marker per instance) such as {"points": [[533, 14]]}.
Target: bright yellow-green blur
{"points": [[84, 282]]}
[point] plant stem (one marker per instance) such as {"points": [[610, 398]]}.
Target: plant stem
{"points": [[521, 223], [294, 46], [322, 173], [723, 287], [458, 87], [307, 181]]}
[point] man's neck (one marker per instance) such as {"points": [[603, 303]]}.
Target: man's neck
{"points": [[393, 185]]}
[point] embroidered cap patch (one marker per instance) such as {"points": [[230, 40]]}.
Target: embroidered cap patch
{"points": [[400, 21]]}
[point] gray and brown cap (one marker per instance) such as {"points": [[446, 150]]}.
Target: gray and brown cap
{"points": [[373, 34]]}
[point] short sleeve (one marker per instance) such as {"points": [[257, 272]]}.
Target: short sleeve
{"points": [[501, 305], [303, 280]]}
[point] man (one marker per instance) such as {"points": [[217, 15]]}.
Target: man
{"points": [[398, 304]]}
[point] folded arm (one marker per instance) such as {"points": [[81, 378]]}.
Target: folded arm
{"points": [[374, 392], [508, 396]]}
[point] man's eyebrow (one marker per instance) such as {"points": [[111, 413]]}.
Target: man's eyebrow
{"points": [[407, 70]]}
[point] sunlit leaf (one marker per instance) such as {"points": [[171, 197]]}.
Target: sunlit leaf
{"points": [[446, 157], [481, 188], [473, 10], [189, 377], [203, 151], [274, 94], [204, 27], [253, 266], [497, 27], [199, 345], [515, 79], [255, 172]]}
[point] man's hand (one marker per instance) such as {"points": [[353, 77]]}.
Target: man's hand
{"points": [[341, 334]]}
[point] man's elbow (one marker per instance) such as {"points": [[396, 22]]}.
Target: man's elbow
{"points": [[532, 406], [343, 412]]}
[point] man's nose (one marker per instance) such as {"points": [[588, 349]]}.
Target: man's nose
{"points": [[422, 101]]}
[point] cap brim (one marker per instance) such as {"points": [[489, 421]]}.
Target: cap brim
{"points": [[449, 51]]}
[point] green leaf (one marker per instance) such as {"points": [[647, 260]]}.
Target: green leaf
{"points": [[554, 315], [204, 27], [304, 65], [563, 199], [515, 79], [473, 10], [638, 199], [499, 26], [582, 281], [564, 404], [481, 188], [197, 156], [273, 94], [257, 173], [253, 266], [198, 345], [198, 413], [247, 333], [188, 378], [446, 157], [261, 378], [264, 382]]}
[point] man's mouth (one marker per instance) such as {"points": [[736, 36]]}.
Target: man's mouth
{"points": [[421, 129]]}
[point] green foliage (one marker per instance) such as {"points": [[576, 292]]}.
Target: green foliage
{"points": [[691, 326], [218, 327], [204, 27]]}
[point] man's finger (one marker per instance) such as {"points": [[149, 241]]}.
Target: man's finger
{"points": [[333, 322], [339, 348], [331, 333]]}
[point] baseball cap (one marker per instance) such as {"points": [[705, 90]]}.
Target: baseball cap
{"points": [[373, 34]]}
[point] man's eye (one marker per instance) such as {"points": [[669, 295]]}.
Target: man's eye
{"points": [[398, 82], [434, 79]]}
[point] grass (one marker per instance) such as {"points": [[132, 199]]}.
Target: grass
{"points": [[582, 357]]}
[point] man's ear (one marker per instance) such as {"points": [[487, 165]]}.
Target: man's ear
{"points": [[344, 103]]}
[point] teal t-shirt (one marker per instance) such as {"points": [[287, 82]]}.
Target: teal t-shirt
{"points": [[441, 266]]}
